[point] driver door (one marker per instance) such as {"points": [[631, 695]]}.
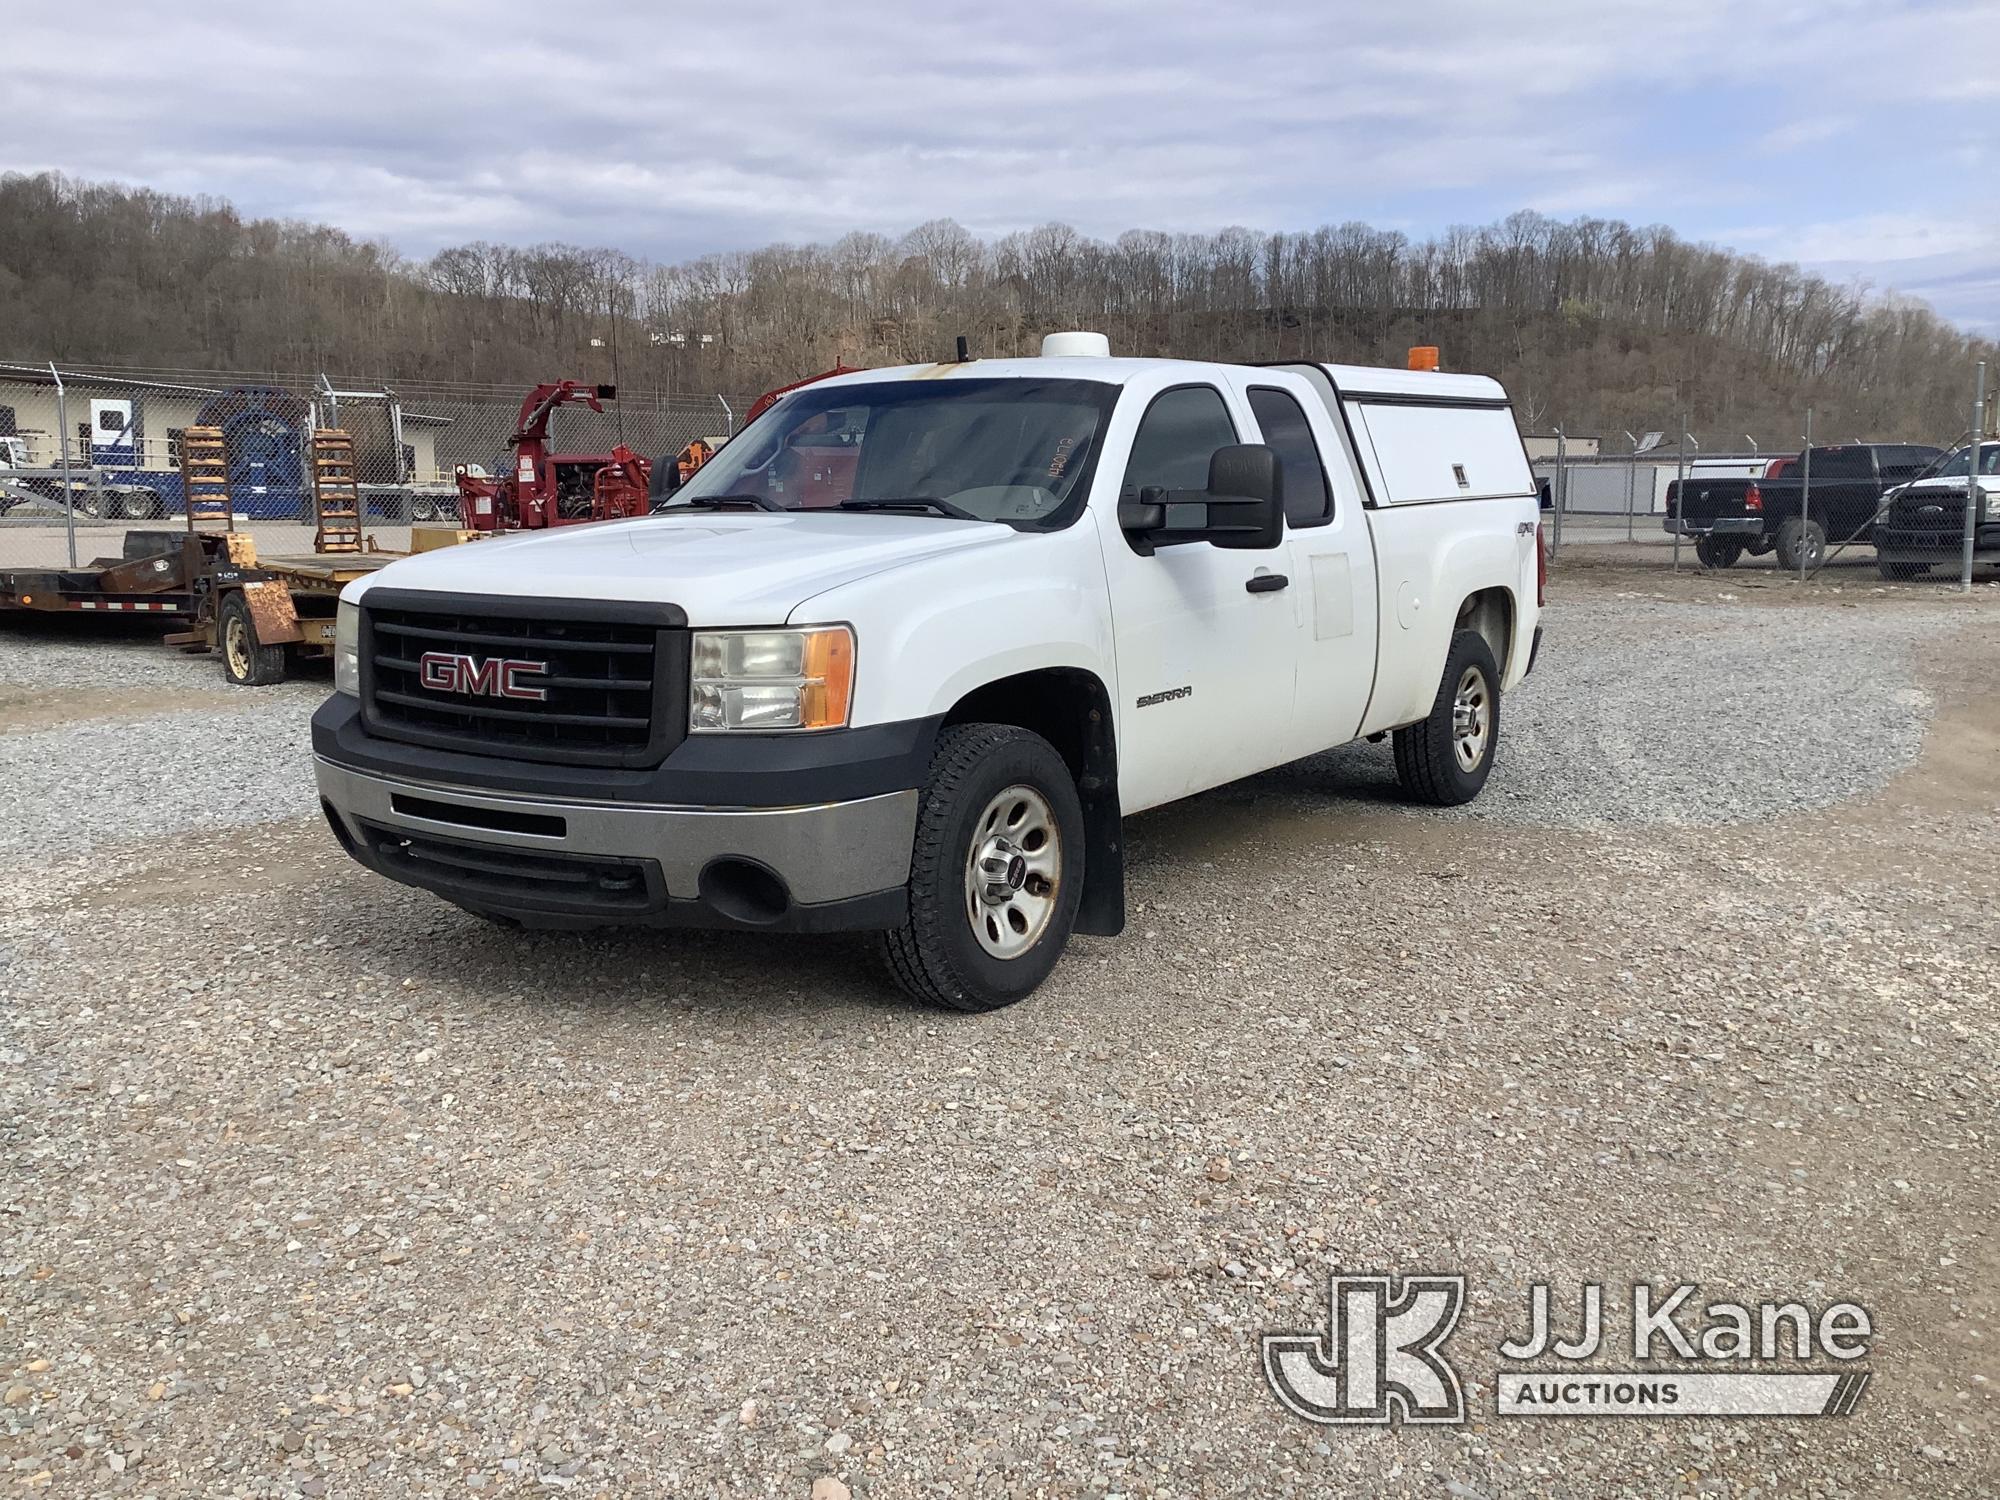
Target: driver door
{"points": [[1206, 652]]}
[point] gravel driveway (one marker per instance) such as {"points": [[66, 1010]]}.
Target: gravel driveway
{"points": [[313, 1186]]}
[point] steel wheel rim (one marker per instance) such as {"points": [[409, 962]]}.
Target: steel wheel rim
{"points": [[236, 646], [1013, 872], [1471, 718]]}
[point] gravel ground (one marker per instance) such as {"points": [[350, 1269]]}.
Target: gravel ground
{"points": [[314, 1187], [189, 752], [1601, 736], [1644, 712]]}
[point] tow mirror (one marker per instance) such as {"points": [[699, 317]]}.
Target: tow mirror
{"points": [[1242, 509]]}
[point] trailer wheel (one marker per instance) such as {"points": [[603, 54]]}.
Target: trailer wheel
{"points": [[1718, 551], [996, 870], [1444, 758], [1801, 542], [244, 661]]}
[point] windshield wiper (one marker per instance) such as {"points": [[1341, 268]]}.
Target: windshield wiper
{"points": [[722, 502], [914, 502]]}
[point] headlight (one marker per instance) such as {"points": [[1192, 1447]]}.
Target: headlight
{"points": [[771, 679], [347, 649]]}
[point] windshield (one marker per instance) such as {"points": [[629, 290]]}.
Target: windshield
{"points": [[1954, 467], [1015, 451]]}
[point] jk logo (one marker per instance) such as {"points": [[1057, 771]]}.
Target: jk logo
{"points": [[1378, 1359]]}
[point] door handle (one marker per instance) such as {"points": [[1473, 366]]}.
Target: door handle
{"points": [[1267, 583]]}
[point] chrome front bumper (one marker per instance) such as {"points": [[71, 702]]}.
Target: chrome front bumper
{"points": [[823, 854]]}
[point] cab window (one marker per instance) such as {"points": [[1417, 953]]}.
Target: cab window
{"points": [[1308, 502], [1179, 433]]}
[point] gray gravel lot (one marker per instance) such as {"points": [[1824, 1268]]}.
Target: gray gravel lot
{"points": [[1606, 733], [196, 753], [314, 1187]]}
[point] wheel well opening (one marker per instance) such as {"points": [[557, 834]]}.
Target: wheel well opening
{"points": [[1071, 709], [1056, 704], [1491, 613]]}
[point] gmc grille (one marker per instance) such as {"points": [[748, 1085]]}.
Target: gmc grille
{"points": [[612, 679]]}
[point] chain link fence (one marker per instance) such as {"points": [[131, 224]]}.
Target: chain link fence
{"points": [[1827, 506], [90, 454]]}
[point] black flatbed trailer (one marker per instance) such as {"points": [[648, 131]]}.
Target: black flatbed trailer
{"points": [[261, 614]]}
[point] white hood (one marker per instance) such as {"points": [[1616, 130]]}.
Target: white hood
{"points": [[723, 568]]}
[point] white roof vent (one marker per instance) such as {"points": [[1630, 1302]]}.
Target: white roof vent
{"points": [[1075, 345]]}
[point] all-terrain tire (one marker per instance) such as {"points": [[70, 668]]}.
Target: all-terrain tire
{"points": [[1801, 541], [1718, 551], [936, 955], [1432, 762], [244, 662]]}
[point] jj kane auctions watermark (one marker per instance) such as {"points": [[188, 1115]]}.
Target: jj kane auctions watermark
{"points": [[1381, 1357]]}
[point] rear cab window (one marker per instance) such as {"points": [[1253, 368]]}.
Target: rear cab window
{"points": [[1843, 463], [1282, 421]]}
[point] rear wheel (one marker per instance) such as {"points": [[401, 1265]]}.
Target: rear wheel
{"points": [[1718, 551], [1444, 758], [244, 662], [1801, 544], [996, 870]]}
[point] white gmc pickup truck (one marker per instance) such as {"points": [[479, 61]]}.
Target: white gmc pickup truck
{"points": [[904, 654]]}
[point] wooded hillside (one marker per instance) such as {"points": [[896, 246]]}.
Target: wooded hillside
{"points": [[1594, 325]]}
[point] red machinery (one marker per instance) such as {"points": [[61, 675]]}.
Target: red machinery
{"points": [[770, 398], [555, 489], [562, 489]]}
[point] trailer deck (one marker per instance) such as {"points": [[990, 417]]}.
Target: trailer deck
{"points": [[215, 582]]}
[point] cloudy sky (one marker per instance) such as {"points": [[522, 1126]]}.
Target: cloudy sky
{"points": [[1860, 137]]}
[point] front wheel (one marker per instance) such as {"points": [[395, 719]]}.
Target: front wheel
{"points": [[996, 870], [1897, 569], [1444, 757]]}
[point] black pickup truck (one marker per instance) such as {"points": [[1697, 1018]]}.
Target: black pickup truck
{"points": [[1729, 517]]}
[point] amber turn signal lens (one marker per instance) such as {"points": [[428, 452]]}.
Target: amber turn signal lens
{"points": [[828, 690]]}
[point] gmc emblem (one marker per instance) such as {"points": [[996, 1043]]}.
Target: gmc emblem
{"points": [[492, 676]]}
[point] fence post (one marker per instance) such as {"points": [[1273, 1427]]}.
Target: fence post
{"points": [[1631, 483], [62, 460], [729, 416], [1805, 495], [1680, 489], [1562, 490], [1972, 481]]}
